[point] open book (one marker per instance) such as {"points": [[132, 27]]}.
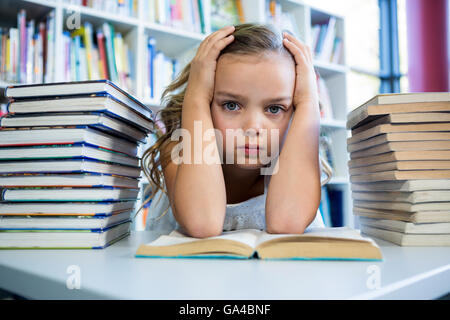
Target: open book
{"points": [[316, 243]]}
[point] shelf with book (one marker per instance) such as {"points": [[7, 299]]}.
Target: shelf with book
{"points": [[120, 21]]}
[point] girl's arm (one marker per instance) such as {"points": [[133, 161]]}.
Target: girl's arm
{"points": [[294, 192], [197, 190]]}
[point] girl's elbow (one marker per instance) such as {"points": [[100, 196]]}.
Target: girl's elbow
{"points": [[200, 231], [288, 228], [289, 223], [200, 224]]}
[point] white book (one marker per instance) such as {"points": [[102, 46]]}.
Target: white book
{"points": [[61, 166], [67, 208], [67, 152], [407, 227], [64, 239], [328, 42], [100, 121], [77, 88], [63, 222], [406, 185], [98, 103], [403, 239], [68, 180], [28, 137], [68, 194]]}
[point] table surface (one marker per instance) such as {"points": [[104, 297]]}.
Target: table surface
{"points": [[114, 273]]}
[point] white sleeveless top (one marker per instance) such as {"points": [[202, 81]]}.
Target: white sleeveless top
{"points": [[249, 214]]}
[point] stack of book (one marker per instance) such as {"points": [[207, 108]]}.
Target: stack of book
{"points": [[69, 166], [400, 167]]}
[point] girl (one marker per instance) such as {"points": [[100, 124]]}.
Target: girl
{"points": [[244, 81]]}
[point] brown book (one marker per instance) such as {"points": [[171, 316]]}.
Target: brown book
{"points": [[383, 104], [415, 217], [403, 239], [317, 243], [417, 146], [407, 227], [413, 117], [403, 206], [402, 165], [398, 136], [400, 196], [399, 156], [406, 185], [401, 175], [385, 128]]}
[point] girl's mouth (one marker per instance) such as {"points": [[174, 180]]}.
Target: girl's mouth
{"points": [[251, 149]]}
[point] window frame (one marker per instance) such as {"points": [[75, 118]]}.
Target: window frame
{"points": [[389, 73]]}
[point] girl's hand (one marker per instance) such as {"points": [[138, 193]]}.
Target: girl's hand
{"points": [[305, 79], [203, 66]]}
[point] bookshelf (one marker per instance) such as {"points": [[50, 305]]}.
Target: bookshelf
{"points": [[181, 44]]}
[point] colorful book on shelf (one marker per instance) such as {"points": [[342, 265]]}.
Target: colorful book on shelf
{"points": [[25, 50], [151, 46], [63, 238], [315, 244], [325, 104], [223, 13], [20, 222]]}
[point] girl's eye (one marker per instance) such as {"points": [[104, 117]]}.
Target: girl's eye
{"points": [[232, 106], [274, 109]]}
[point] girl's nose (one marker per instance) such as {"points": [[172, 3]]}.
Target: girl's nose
{"points": [[253, 124]]}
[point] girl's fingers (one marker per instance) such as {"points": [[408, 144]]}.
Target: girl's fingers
{"points": [[219, 34], [298, 54], [304, 48]]}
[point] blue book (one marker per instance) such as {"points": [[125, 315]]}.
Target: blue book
{"points": [[314, 244], [336, 209], [151, 55], [325, 207]]}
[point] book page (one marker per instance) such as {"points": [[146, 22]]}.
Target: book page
{"points": [[333, 233], [247, 236]]}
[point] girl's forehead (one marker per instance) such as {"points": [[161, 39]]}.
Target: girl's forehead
{"points": [[264, 75]]}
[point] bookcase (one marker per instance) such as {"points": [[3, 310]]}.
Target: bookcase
{"points": [[180, 44]]}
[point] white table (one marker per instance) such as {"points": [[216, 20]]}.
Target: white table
{"points": [[114, 273]]}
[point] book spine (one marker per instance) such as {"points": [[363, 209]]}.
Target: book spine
{"points": [[29, 52], [49, 77], [87, 37], [152, 53], [202, 18], [102, 51]]}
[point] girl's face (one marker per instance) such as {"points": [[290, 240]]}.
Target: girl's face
{"points": [[252, 97]]}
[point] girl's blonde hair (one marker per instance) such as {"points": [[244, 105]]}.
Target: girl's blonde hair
{"points": [[249, 39]]}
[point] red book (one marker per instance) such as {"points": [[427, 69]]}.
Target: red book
{"points": [[102, 53], [43, 32]]}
